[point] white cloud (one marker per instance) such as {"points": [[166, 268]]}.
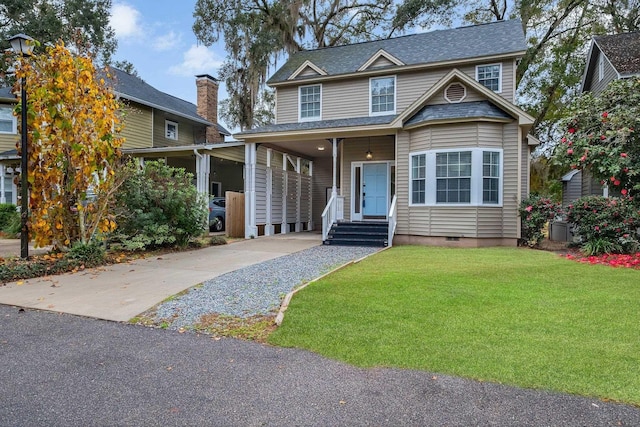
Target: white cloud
{"points": [[197, 60], [166, 42], [125, 20]]}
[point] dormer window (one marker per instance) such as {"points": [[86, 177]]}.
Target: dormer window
{"points": [[171, 130], [310, 102], [382, 95], [490, 76]]}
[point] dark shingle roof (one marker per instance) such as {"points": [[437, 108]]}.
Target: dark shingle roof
{"points": [[5, 93], [622, 50], [321, 124], [503, 37], [135, 89], [462, 110]]}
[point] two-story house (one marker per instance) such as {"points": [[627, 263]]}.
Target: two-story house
{"points": [[609, 58], [156, 125], [421, 131]]}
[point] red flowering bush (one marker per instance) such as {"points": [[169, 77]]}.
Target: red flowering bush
{"points": [[605, 225], [625, 261], [600, 135], [535, 211]]}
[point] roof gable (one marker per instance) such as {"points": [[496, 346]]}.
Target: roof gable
{"points": [[381, 59], [456, 75], [500, 38], [307, 69], [622, 51]]}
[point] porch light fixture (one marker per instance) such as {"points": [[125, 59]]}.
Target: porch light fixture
{"points": [[23, 44], [320, 147], [369, 154]]}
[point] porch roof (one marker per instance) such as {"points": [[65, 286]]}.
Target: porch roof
{"points": [[466, 110], [320, 124]]}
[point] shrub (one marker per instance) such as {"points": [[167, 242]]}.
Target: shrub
{"points": [[158, 206], [90, 254], [535, 211], [217, 240], [7, 211], [606, 224]]}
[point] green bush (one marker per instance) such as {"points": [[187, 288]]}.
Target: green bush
{"points": [[9, 219], [535, 212], [91, 254], [606, 224], [158, 206]]}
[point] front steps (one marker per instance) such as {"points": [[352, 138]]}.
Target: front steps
{"points": [[369, 233]]}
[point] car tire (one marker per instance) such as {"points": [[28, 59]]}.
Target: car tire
{"points": [[219, 225]]}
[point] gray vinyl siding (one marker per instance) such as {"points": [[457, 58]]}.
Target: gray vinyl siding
{"points": [[322, 179], [460, 221], [344, 98], [526, 168], [8, 141], [571, 189], [609, 75], [354, 150], [590, 185], [137, 127], [235, 154]]}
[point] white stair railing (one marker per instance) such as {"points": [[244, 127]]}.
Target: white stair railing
{"points": [[328, 216], [393, 221]]}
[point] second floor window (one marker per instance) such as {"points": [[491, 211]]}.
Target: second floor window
{"points": [[310, 102], [490, 77], [7, 120], [383, 95], [170, 129]]}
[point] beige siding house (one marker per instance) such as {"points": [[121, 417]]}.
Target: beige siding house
{"points": [[418, 135], [156, 126]]}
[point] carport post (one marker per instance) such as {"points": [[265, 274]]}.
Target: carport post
{"points": [[250, 229], [334, 189], [268, 228], [3, 198]]}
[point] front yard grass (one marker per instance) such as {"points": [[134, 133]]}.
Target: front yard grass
{"points": [[515, 316]]}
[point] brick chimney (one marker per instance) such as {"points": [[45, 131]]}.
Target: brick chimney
{"points": [[208, 105]]}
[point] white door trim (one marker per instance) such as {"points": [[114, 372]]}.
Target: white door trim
{"points": [[359, 216]]}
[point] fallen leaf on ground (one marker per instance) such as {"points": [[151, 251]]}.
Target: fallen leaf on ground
{"points": [[19, 283]]}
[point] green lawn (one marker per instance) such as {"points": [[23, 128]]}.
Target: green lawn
{"points": [[514, 316]]}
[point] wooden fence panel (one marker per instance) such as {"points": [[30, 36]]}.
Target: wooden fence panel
{"points": [[234, 220]]}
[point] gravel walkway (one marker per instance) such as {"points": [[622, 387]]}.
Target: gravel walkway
{"points": [[257, 289]]}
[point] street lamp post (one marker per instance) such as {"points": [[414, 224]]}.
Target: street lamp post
{"points": [[23, 44]]}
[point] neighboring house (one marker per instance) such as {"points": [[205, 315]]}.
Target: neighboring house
{"points": [[156, 125], [609, 58], [427, 120]]}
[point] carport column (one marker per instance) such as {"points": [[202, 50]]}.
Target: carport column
{"points": [[285, 192], [3, 198], [141, 162], [250, 158], [269, 230], [310, 224], [299, 193], [334, 188], [202, 173]]}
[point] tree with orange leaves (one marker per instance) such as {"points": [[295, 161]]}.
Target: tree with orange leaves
{"points": [[73, 128]]}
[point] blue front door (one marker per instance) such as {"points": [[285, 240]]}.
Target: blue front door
{"points": [[375, 189]]}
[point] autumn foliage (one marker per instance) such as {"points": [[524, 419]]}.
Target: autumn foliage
{"points": [[74, 143]]}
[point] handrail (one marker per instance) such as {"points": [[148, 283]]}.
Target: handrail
{"points": [[393, 220], [328, 216]]}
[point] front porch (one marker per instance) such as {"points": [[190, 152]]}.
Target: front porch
{"points": [[294, 185]]}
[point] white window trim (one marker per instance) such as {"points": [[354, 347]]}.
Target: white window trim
{"points": [[308, 119], [166, 129], [499, 64], [14, 121], [395, 96], [476, 178]]}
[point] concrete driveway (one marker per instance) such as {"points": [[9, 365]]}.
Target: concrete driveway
{"points": [[122, 291]]}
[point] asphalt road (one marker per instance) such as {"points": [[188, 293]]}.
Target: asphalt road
{"points": [[63, 370]]}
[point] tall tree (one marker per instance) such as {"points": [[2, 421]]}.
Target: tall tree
{"points": [[51, 20], [258, 32], [73, 124]]}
